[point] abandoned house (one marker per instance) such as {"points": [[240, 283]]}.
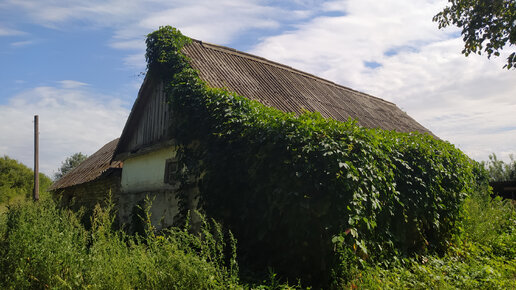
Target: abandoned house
{"points": [[140, 162]]}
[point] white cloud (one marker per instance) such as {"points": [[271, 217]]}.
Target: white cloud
{"points": [[133, 19], [136, 61], [72, 119], [468, 101], [71, 84], [22, 43], [215, 21], [4, 31], [133, 44]]}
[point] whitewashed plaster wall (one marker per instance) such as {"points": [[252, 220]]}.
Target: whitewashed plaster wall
{"points": [[143, 176], [146, 172]]}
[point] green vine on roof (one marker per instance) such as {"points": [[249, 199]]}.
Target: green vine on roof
{"points": [[164, 50], [305, 194]]}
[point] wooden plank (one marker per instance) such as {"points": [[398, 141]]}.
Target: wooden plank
{"points": [[156, 117], [152, 117], [144, 150], [161, 111]]}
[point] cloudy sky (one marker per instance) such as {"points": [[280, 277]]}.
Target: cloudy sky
{"points": [[78, 65]]}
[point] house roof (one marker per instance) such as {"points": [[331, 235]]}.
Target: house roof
{"points": [[91, 168], [291, 90], [265, 81], [271, 83]]}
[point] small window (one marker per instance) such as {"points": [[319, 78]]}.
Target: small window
{"points": [[170, 171]]}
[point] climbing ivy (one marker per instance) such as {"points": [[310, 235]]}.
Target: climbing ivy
{"points": [[302, 193]]}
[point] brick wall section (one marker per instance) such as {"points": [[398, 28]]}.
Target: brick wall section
{"points": [[90, 193]]}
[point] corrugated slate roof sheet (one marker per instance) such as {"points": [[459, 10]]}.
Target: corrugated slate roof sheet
{"points": [[91, 168], [291, 90]]}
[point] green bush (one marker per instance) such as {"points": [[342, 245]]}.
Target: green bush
{"points": [[17, 179], [295, 188], [483, 256], [491, 224], [42, 246], [498, 170]]}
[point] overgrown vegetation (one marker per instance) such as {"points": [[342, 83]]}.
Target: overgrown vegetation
{"points": [[17, 180], [42, 246], [307, 195], [498, 170], [482, 256]]}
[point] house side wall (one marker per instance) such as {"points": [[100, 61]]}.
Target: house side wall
{"points": [[147, 172], [144, 176], [163, 210]]}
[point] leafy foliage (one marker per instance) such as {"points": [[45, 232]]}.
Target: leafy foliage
{"points": [[69, 164], [490, 223], [487, 25], [17, 179], [482, 257], [498, 170], [294, 189], [42, 246]]}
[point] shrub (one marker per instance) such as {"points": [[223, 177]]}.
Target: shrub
{"points": [[491, 224], [17, 179], [295, 188], [482, 257], [499, 170], [42, 246]]}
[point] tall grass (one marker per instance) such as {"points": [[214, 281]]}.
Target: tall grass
{"points": [[42, 246]]}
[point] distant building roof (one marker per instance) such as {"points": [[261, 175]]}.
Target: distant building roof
{"points": [[91, 168]]}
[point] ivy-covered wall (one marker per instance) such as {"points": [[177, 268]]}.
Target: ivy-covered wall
{"points": [[304, 194]]}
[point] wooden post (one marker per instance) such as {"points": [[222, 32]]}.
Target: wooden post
{"points": [[36, 158]]}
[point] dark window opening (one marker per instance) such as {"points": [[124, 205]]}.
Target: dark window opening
{"points": [[170, 171]]}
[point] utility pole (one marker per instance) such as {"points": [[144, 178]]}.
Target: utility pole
{"points": [[36, 158]]}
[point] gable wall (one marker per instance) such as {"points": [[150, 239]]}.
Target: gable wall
{"points": [[150, 122]]}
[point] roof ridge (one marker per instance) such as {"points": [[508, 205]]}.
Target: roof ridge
{"points": [[281, 66]]}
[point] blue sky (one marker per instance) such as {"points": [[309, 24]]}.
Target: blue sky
{"points": [[79, 64], [43, 56]]}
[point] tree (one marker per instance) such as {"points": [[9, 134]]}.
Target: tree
{"points": [[18, 179], [487, 25], [69, 164], [499, 170]]}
